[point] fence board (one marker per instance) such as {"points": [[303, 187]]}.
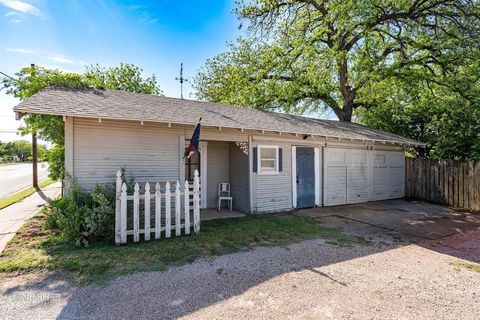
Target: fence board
{"points": [[186, 207], [158, 211], [168, 213], [136, 218], [123, 214], [147, 216], [177, 209], [461, 202], [454, 183]]}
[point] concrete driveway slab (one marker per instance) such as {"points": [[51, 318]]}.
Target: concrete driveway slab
{"points": [[427, 221]]}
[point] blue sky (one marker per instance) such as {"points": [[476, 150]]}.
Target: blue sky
{"points": [[154, 35]]}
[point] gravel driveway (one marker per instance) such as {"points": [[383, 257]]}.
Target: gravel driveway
{"points": [[397, 276]]}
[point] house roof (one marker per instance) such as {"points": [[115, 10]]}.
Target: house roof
{"points": [[122, 105]]}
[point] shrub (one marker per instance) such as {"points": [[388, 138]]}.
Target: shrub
{"points": [[84, 217]]}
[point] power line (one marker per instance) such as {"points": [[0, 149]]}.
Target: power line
{"points": [[9, 131], [6, 75]]}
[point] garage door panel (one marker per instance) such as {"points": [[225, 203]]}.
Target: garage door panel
{"points": [[358, 172], [388, 175], [336, 157], [336, 180], [380, 187], [346, 176]]}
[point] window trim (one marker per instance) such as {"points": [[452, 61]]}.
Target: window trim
{"points": [[259, 159]]}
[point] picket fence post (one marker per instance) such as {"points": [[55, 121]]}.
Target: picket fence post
{"points": [[136, 209], [177, 210], [168, 215], [186, 205], [196, 202], [118, 192], [147, 212], [123, 214], [158, 211]]}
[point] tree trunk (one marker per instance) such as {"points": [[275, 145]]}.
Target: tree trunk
{"points": [[348, 93], [34, 160]]}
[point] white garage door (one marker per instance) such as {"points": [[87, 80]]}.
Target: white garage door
{"points": [[347, 174], [355, 176]]}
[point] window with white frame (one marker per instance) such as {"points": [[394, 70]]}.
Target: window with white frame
{"points": [[268, 159]]}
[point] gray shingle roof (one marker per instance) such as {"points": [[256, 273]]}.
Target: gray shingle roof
{"points": [[112, 104]]}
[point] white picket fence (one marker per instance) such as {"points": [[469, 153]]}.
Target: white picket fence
{"points": [[191, 200]]}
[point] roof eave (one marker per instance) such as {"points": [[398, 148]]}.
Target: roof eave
{"points": [[19, 113]]}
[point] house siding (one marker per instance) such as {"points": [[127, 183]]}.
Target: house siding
{"points": [[217, 169], [148, 153], [153, 152], [239, 179], [273, 192]]}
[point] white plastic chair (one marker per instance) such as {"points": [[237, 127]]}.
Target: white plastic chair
{"points": [[224, 194]]}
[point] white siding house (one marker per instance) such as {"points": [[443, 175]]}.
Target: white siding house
{"points": [[273, 162]]}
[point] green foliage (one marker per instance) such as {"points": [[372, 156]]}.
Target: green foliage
{"points": [[445, 115], [33, 79], [84, 217], [126, 77], [308, 57], [56, 161], [20, 149]]}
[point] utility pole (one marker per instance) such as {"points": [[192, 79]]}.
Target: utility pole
{"points": [[34, 160], [181, 80], [34, 149]]}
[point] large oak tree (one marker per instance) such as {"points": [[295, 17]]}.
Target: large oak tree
{"points": [[308, 56]]}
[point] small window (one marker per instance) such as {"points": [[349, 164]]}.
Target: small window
{"points": [[267, 159]]}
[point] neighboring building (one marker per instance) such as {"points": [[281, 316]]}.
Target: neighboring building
{"points": [[273, 161]]}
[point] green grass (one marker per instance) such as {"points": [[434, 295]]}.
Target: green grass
{"points": [[22, 194], [36, 248], [467, 265]]}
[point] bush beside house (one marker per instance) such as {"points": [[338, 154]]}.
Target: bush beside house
{"points": [[84, 217]]}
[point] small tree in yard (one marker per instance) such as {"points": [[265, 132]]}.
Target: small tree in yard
{"points": [[33, 79]]}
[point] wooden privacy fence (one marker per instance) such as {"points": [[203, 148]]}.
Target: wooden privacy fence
{"points": [[449, 182], [128, 207]]}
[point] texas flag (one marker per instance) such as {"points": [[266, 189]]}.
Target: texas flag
{"points": [[194, 142]]}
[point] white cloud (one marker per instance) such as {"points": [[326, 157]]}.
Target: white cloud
{"points": [[61, 60], [22, 50], [14, 17], [55, 67], [21, 6]]}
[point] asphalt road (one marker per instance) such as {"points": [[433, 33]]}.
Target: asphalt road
{"points": [[18, 176]]}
